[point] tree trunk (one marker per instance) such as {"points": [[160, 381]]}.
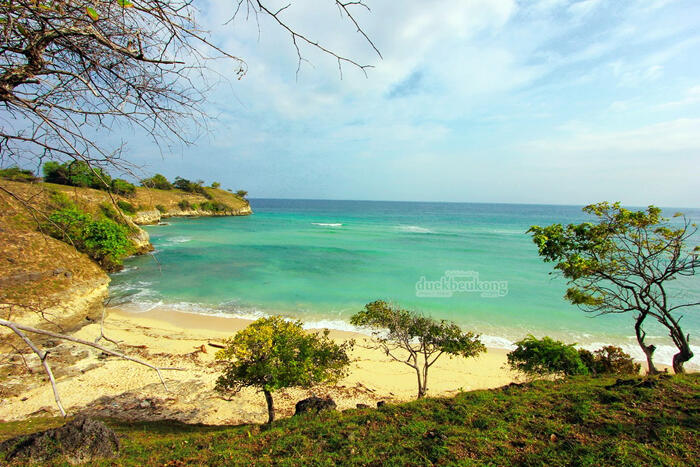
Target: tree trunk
{"points": [[684, 353], [421, 386], [270, 406], [647, 349]]}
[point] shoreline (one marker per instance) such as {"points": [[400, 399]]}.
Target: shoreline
{"points": [[92, 384]]}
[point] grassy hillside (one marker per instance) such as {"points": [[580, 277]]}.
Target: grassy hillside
{"points": [[35, 269], [581, 421]]}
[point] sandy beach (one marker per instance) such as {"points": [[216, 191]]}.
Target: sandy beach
{"points": [[108, 386]]}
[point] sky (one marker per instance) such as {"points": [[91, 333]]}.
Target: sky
{"points": [[552, 101]]}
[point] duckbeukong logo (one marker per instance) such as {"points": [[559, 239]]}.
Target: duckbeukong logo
{"points": [[460, 281]]}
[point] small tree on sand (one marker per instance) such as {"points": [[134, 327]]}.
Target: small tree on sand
{"points": [[416, 340], [273, 353], [623, 263]]}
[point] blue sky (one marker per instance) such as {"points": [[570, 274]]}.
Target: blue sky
{"points": [[552, 101]]}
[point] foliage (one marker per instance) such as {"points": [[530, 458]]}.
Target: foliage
{"points": [[103, 240], [540, 357], [184, 205], [424, 339], [122, 187], [272, 353], [126, 206], [161, 208], [241, 193], [18, 175], [609, 360], [622, 263], [214, 206], [216, 185], [158, 182], [573, 421], [76, 173]]}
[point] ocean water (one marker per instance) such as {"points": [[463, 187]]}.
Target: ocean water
{"points": [[321, 261]]}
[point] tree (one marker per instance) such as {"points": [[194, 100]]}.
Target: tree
{"points": [[622, 264], [272, 353], [422, 338], [540, 357], [215, 185], [158, 181], [241, 193]]}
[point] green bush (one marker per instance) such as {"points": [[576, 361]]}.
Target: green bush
{"points": [[241, 193], [216, 185], [109, 212], [540, 357], [18, 175], [76, 173], [103, 240], [609, 360], [122, 187], [214, 206], [158, 182], [126, 206], [161, 208], [184, 205]]}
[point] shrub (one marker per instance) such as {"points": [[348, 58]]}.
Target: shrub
{"points": [[126, 206], [540, 357], [184, 205], [76, 173], [273, 353], [214, 206], [241, 193], [103, 240], [609, 360], [18, 175], [216, 185], [161, 208], [122, 187], [109, 212], [158, 182]]}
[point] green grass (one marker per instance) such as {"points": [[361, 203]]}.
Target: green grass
{"points": [[579, 421]]}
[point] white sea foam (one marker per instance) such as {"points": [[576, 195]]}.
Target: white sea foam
{"points": [[414, 229], [327, 224]]}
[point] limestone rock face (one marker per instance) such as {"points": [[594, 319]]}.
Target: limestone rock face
{"points": [[149, 217]]}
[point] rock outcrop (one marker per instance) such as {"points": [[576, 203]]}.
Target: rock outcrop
{"points": [[314, 405], [80, 440]]}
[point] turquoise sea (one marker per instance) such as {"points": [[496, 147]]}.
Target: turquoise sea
{"points": [[321, 261]]}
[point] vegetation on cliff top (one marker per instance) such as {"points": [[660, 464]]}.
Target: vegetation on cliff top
{"points": [[575, 421]]}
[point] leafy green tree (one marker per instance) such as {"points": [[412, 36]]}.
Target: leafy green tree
{"points": [[158, 181], [216, 185], [541, 357], [273, 353], [241, 193], [424, 340], [122, 187], [76, 173], [623, 263]]}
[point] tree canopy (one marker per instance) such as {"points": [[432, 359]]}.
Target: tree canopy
{"points": [[623, 263]]}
